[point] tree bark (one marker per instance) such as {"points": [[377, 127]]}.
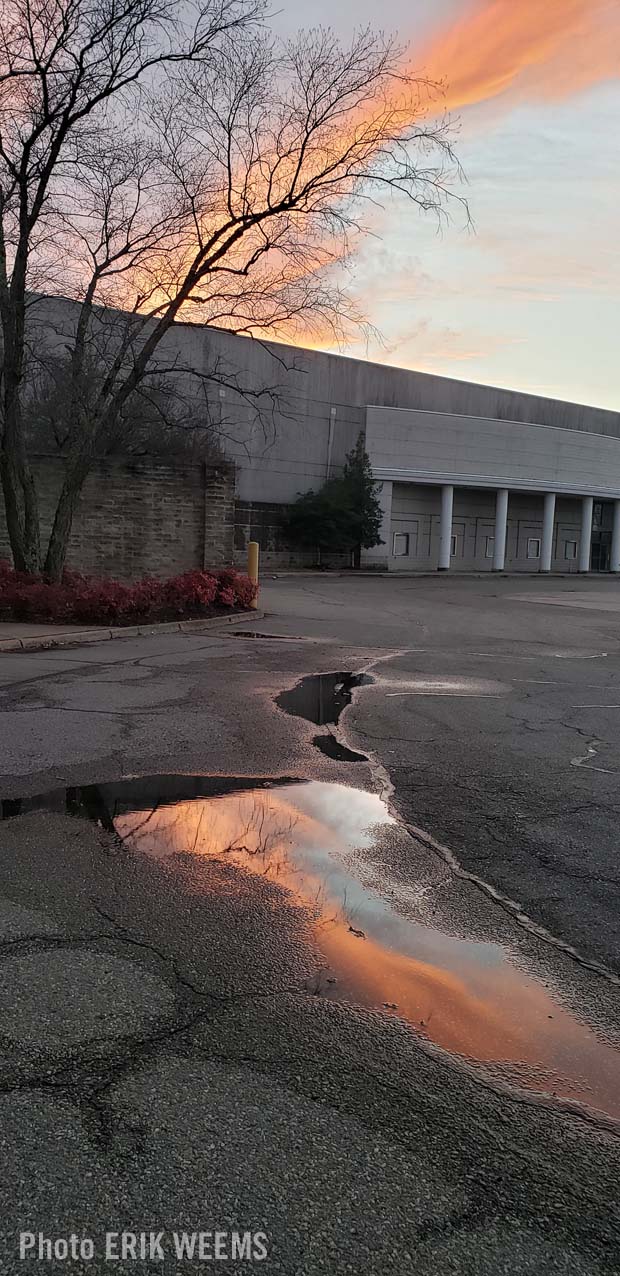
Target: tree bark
{"points": [[18, 483], [20, 492], [14, 522], [58, 545]]}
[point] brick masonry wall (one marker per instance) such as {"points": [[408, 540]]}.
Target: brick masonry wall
{"points": [[262, 521], [139, 516]]}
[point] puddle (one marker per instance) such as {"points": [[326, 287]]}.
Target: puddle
{"points": [[102, 803], [321, 698], [468, 997], [253, 633], [329, 745]]}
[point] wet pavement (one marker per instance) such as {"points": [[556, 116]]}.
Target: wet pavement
{"points": [[321, 698], [470, 997], [257, 976]]}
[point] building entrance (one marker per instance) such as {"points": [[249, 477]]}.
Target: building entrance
{"points": [[602, 527]]}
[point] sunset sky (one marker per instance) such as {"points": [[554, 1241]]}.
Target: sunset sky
{"points": [[530, 297]]}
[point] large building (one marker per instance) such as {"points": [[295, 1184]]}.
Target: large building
{"points": [[472, 477], [472, 492]]}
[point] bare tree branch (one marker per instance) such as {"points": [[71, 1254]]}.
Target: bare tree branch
{"points": [[160, 162]]}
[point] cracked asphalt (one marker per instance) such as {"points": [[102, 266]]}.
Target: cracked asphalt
{"points": [[164, 1064]]}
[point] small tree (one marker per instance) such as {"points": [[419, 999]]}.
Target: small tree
{"points": [[363, 505], [344, 514]]}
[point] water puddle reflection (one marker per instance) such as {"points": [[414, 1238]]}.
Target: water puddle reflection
{"points": [[465, 996], [468, 997], [321, 698], [332, 748]]}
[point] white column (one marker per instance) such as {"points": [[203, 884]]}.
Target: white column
{"points": [[501, 529], [546, 549], [614, 565], [585, 545], [445, 537]]}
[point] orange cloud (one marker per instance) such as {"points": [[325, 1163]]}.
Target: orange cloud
{"points": [[543, 48], [554, 47]]}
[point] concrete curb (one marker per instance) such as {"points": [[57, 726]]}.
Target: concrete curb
{"points": [[370, 574], [82, 638]]}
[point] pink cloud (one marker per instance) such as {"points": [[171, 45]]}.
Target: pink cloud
{"points": [[550, 48]]}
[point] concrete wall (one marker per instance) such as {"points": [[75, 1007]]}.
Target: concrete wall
{"points": [[142, 517], [312, 408], [416, 514], [432, 447], [317, 396]]}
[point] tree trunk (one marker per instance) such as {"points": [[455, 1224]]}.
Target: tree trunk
{"points": [[357, 557], [21, 507], [18, 483], [12, 508], [56, 556]]}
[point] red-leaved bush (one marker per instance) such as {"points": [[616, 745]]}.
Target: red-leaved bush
{"points": [[84, 600]]}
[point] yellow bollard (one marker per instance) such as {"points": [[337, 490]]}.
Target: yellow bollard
{"points": [[253, 555]]}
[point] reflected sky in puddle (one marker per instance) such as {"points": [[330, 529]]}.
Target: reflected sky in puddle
{"points": [[465, 996]]}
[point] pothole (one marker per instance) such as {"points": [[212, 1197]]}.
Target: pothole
{"points": [[314, 840]]}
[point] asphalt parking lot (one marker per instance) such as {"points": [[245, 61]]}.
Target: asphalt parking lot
{"points": [[184, 1046], [501, 731]]}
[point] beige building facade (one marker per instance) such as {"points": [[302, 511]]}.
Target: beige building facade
{"points": [[473, 494]]}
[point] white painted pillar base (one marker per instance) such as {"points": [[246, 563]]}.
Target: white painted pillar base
{"points": [[501, 530], [585, 544], [614, 562], [445, 536], [546, 549]]}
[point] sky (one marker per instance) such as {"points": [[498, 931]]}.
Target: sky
{"points": [[528, 298]]}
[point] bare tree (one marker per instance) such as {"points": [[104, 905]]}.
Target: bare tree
{"points": [[153, 168], [174, 410]]}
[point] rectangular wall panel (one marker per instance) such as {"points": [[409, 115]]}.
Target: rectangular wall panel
{"points": [[434, 448]]}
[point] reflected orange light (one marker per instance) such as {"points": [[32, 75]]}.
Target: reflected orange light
{"points": [[466, 997]]}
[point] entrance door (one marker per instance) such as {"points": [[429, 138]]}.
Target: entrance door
{"points": [[602, 524]]}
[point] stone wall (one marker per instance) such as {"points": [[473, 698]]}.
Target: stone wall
{"points": [[139, 516]]}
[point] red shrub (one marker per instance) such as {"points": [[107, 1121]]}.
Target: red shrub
{"points": [[83, 600], [234, 589], [191, 591]]}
